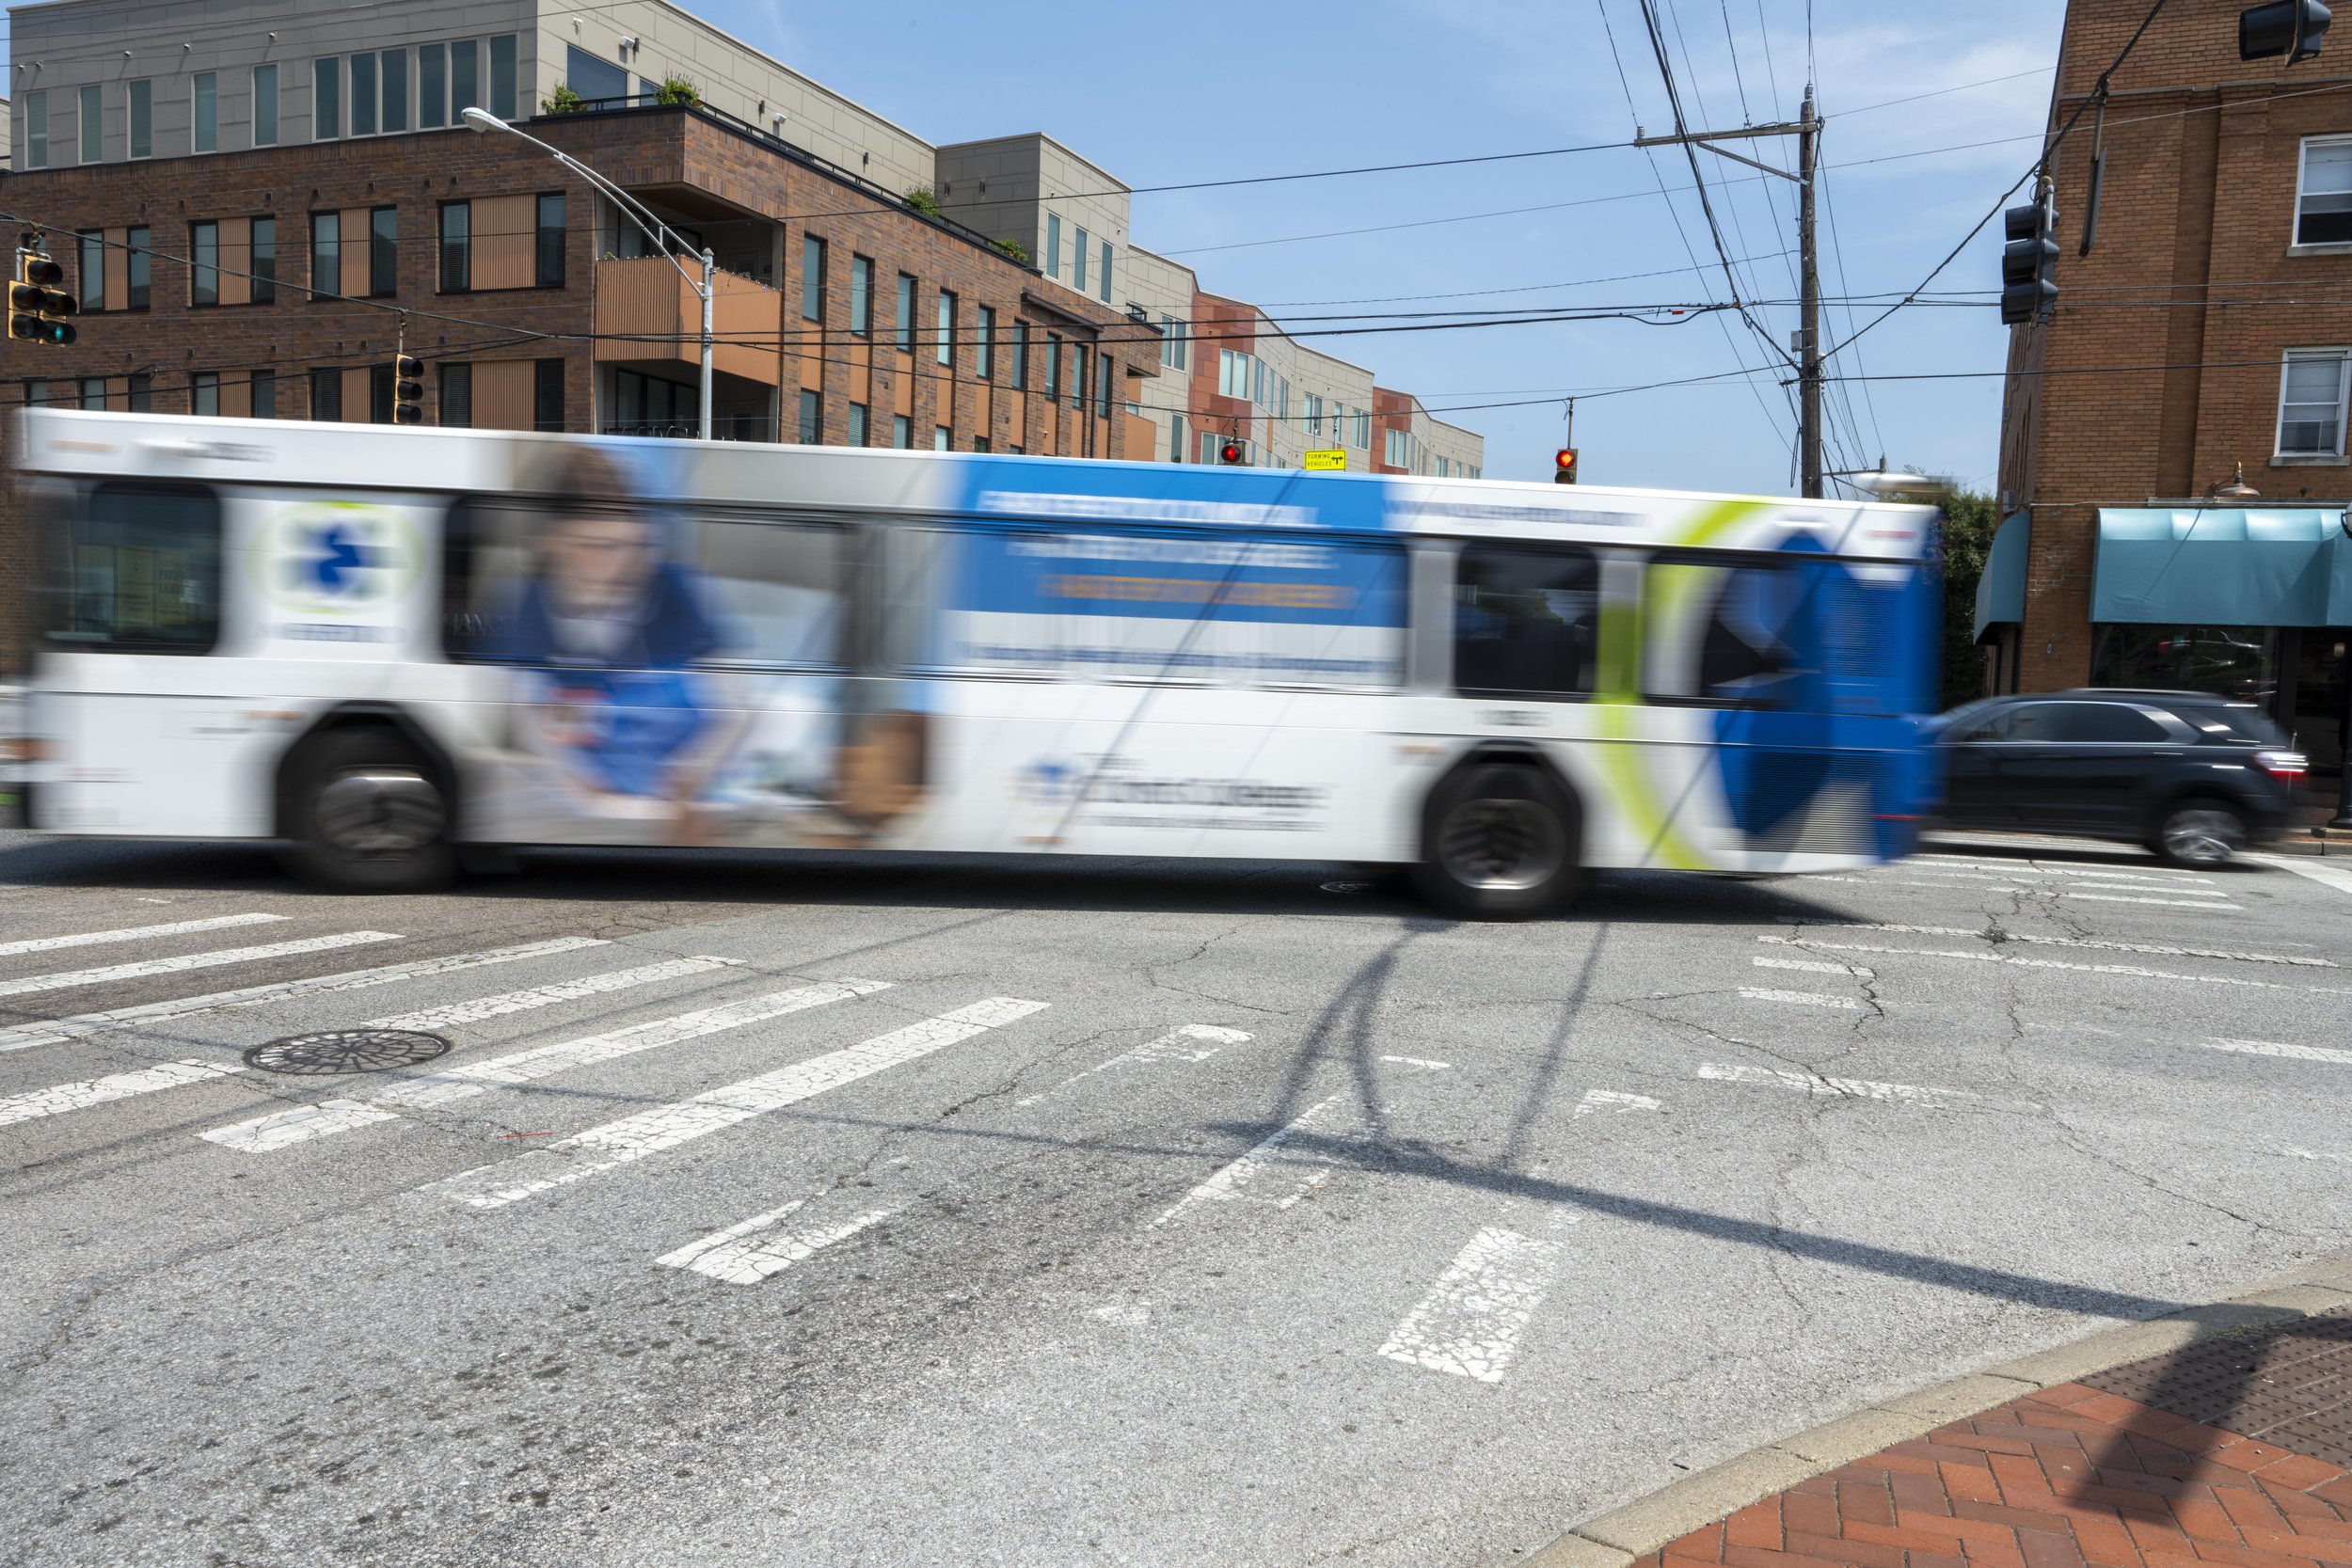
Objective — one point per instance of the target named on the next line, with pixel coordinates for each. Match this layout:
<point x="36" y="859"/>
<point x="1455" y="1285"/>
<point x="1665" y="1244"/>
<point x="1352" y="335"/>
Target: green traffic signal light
<point x="59" y="333"/>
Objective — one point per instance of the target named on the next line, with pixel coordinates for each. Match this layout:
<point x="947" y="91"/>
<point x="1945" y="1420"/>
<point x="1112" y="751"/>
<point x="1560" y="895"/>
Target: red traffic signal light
<point x="1229" y="453"/>
<point x="1564" y="465"/>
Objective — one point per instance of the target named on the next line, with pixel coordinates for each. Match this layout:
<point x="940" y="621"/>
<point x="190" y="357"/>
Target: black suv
<point x="2194" y="777"/>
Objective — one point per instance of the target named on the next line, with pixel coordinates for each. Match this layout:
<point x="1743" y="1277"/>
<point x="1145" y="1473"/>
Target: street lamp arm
<point x="634" y="210"/>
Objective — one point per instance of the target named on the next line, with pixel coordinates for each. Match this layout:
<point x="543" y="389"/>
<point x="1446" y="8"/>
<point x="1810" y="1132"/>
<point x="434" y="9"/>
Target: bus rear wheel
<point x="1499" y="842"/>
<point x="369" y="815"/>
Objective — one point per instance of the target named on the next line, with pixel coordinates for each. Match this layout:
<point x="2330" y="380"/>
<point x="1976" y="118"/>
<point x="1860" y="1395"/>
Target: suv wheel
<point x="369" y="816"/>
<point x="2201" y="832"/>
<point x="1499" y="843"/>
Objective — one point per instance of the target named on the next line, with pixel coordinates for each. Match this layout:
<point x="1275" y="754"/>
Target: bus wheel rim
<point x="1501" y="845"/>
<point x="380" y="811"/>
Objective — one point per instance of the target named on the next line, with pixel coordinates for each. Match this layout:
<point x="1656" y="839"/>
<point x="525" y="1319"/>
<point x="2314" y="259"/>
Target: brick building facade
<point x="2205" y="329"/>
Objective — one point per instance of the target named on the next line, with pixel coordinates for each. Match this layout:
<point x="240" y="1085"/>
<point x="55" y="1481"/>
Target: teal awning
<point x="2222" y="566"/>
<point x="2001" y="589"/>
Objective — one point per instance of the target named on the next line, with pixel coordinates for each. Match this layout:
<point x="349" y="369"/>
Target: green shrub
<point x="1015" y="250"/>
<point x="923" y="201"/>
<point x="679" y="90"/>
<point x="562" y="100"/>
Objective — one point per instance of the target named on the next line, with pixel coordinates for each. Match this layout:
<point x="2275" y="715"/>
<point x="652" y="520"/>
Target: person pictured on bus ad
<point x="608" y="632"/>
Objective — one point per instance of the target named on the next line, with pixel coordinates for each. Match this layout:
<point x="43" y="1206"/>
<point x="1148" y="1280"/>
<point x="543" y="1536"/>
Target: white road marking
<point x="431" y="1018"/>
<point x="1896" y="882"/>
<point x="2271" y="1048"/>
<point x="22" y="1036"/>
<point x="1815" y="1084"/>
<point x="2036" y="868"/>
<point x="136" y="933"/>
<point x="1470" y="1323"/>
<point x="665" y="1127"/>
<point x="1126" y="1314"/>
<point x="300" y="1125"/>
<point x="1800" y="998"/>
<point x="2326" y="873"/>
<point x="2156" y="948"/>
<point x="1613" y="1099"/>
<point x="98" y="1091"/>
<point x="1228" y="1186"/>
<point x="1419" y="1061"/>
<point x="2175" y="902"/>
<point x="2295" y="1153"/>
<point x="1855" y="971"/>
<point x="65" y="979"/>
<point x="1191" y="1042"/>
<point x="738" y="1256"/>
<point x="2134" y="970"/>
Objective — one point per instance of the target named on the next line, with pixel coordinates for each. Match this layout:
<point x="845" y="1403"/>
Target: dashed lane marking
<point x="740" y="1256"/>
<point x="1800" y="998"/>
<point x="22" y="1036"/>
<point x="1190" y="1042"/>
<point x="136" y="933"/>
<point x="2272" y="1048"/>
<point x="2093" y="943"/>
<point x="98" y="1091"/>
<point x="1470" y="1323"/>
<point x="1616" y="1101"/>
<point x="1827" y="1088"/>
<point x="66" y="979"/>
<point x="665" y="1127"/>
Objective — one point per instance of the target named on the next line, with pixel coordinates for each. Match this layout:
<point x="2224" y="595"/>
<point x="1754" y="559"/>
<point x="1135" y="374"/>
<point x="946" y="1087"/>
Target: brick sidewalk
<point x="2080" y="1474"/>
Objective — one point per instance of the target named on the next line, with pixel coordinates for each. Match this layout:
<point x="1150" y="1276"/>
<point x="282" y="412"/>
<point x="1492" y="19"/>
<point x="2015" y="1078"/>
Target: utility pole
<point x="1808" y="304"/>
<point x="1808" y="360"/>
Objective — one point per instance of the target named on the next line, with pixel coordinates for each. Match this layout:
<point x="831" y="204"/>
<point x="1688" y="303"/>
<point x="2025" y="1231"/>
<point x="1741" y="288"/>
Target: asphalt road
<point x="819" y="1211"/>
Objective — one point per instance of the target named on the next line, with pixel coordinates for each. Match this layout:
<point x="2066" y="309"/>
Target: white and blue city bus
<point x="378" y="646"/>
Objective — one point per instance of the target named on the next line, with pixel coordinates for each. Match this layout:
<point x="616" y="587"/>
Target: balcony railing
<point x="723" y="427"/>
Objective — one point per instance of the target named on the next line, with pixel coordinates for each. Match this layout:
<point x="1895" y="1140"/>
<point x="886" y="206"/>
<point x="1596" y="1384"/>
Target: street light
<point x="655" y="229"/>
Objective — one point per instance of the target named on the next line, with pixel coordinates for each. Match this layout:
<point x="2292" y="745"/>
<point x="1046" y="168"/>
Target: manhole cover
<point x="335" y="1050"/>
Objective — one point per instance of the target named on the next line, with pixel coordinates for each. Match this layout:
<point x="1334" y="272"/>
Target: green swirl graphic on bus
<point x="339" y="558"/>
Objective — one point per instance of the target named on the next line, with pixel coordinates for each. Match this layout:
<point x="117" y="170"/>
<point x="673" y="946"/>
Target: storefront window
<point x="2240" y="662"/>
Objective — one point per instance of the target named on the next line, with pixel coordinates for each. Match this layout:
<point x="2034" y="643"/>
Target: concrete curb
<point x="1615" y="1539"/>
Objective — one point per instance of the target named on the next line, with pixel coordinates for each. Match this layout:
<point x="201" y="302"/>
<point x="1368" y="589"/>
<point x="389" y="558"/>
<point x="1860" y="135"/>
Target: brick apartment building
<point x="2209" y="326"/>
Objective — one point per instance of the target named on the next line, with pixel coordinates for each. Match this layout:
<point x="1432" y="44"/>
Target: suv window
<point x="2109" y="724"/>
<point x="1986" y="729"/>
<point x="2232" y="725"/>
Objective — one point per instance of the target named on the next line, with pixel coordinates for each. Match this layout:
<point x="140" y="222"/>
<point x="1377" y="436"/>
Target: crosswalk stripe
<point x="2148" y="873"/>
<point x="98" y="1091"/>
<point x="281" y="1128"/>
<point x="2272" y="1048"/>
<point x="1190" y="1042"/>
<point x="2095" y="943"/>
<point x="1470" y="1323"/>
<point x="2174" y="903"/>
<point x="430" y="1019"/>
<point x="136" y="933"/>
<point x="1800" y="998"/>
<point x="665" y="1127"/>
<point x="2135" y="971"/>
<point x="65" y="979"/>
<point x="1616" y="1101"/>
<point x="1229" y="1184"/>
<point x="22" y="1036"/>
<point x="741" y="1257"/>
<point x="1815" y="1084"/>
<point x="1854" y="971"/>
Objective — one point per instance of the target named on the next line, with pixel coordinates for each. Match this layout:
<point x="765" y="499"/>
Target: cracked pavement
<point x="1960" y="1110"/>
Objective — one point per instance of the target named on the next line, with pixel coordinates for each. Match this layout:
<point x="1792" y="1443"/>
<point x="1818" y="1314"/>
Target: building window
<point x="594" y="77"/>
<point x="91" y="123"/>
<point x="1052" y="245"/>
<point x="326" y="395"/>
<point x="2323" y="199"/>
<point x="857" y="424"/>
<point x="143" y="120"/>
<point x="456" y="246"/>
<point x="327" y="101"/>
<point x="547" y="382"/>
<point x="265" y="105"/>
<point x="363" y="95"/>
<point x="37" y="130"/>
<point x="901" y="432"/>
<point x="204" y="394"/>
<point x="502" y="76"/>
<point x="327" y="264"/>
<point x="384" y="253"/>
<point x="906" y="314"/>
<point x="90" y="276"/>
<point x="1078" y="259"/>
<point x="207" y="130"/>
<point x="861" y="298"/>
<point x="984" y="342"/>
<point x="204" y="263"/>
<point x="1079" y="362"/>
<point x="1020" y="357"/>
<point x="94" y="393"/>
<point x="395" y="102"/>
<point x="943" y="439"/>
<point x="140" y="394"/>
<point x="465" y="79"/>
<point x="548" y="263"/>
<point x="980" y="444"/>
<point x="1104" y="283"/>
<point x="138" y="267"/>
<point x="456" y="400"/>
<point x="2312" y="400"/>
<point x="1105" y="383"/>
<point x="1176" y="439"/>
<point x="1172" y="344"/>
<point x="263" y="282"/>
<point x="812" y="417"/>
<point x="1052" y="366"/>
<point x="945" y="351"/>
<point x="264" y="389"/>
<point x="432" y="86"/>
<point x="812" y="278"/>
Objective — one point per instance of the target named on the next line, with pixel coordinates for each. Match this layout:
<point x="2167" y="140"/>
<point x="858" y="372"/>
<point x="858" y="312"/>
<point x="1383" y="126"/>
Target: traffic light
<point x="1229" y="451"/>
<point x="38" y="302"/>
<point x="2029" y="263"/>
<point x="2292" y="27"/>
<point x="1564" y="465"/>
<point x="407" y="390"/>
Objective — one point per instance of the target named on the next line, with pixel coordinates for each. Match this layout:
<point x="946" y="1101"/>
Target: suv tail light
<point x="2285" y="766"/>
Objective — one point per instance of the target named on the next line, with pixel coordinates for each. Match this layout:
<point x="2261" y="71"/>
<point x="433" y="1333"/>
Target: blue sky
<point x="1253" y="90"/>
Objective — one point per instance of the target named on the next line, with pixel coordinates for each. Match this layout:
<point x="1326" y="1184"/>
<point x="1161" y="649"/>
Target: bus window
<point x="1719" y="634"/>
<point x="1525" y="622"/>
<point x="776" y="591"/>
<point x="141" y="571"/>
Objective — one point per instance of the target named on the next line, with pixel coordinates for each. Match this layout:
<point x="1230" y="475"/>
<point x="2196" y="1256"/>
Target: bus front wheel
<point x="1499" y="842"/>
<point x="369" y="816"/>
